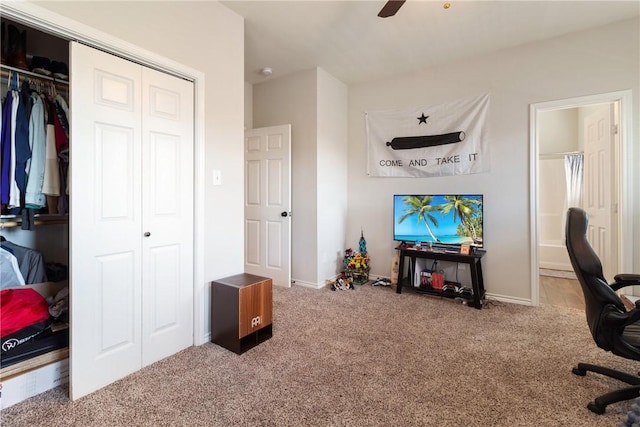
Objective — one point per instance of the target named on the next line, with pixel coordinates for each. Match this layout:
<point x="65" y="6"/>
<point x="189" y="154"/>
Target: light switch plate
<point x="217" y="177"/>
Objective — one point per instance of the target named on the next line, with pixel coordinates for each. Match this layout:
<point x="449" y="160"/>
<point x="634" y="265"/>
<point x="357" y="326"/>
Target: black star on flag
<point x="423" y="119"/>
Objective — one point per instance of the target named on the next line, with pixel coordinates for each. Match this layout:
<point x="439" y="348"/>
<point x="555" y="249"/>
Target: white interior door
<point x="598" y="185"/>
<point x="167" y="215"/>
<point x="268" y="203"/>
<point x="117" y="164"/>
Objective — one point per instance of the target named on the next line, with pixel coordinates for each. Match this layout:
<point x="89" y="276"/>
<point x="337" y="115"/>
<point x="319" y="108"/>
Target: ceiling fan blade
<point x="390" y="8"/>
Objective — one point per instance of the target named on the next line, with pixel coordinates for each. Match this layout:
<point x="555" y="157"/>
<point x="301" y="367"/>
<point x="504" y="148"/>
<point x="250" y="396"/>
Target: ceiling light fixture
<point x="266" y="71"/>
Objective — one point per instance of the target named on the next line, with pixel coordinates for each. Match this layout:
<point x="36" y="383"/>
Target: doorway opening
<point x="568" y="169"/>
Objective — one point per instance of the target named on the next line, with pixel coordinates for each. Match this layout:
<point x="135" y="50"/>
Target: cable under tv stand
<point x="478" y="298"/>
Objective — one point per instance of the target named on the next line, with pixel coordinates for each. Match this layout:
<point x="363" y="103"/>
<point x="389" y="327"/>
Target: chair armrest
<point x="627" y="277"/>
<point x="617" y="319"/>
<point x="623" y="280"/>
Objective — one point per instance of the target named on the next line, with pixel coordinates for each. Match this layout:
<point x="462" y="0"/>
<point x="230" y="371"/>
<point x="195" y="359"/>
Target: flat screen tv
<point x="441" y="219"/>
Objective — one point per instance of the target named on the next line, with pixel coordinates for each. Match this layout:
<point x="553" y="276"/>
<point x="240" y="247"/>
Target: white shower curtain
<point x="573" y="164"/>
<point x="573" y="172"/>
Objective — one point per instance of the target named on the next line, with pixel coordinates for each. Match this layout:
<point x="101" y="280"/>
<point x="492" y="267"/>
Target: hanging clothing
<point x="63" y="200"/>
<point x="5" y="150"/>
<point x="64" y="114"/>
<point x="34" y="153"/>
<point x="62" y="145"/>
<point x="62" y="141"/>
<point x="63" y="111"/>
<point x="23" y="151"/>
<point x="34" y="198"/>
<point x="14" y="191"/>
<point x="51" y="183"/>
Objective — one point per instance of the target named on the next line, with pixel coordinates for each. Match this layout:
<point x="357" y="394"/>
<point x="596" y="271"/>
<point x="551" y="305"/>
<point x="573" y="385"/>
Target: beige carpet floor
<point x="363" y="357"/>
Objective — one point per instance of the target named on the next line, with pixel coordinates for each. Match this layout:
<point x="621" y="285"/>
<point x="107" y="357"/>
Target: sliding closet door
<point x="131" y="217"/>
<point x="167" y="210"/>
<point x="106" y="212"/>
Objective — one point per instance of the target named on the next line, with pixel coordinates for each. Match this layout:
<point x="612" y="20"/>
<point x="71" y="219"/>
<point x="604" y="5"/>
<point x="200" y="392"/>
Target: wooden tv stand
<point x="473" y="259"/>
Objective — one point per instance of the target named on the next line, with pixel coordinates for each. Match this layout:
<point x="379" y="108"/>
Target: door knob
<point x="147" y="234"/>
<point x="284" y="214"/>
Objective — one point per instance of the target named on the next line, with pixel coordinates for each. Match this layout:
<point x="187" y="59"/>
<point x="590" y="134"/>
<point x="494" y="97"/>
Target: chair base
<point x="599" y="405"/>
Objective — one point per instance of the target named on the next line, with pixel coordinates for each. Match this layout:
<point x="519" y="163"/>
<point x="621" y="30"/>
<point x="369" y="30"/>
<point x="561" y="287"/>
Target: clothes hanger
<point x="12" y="82"/>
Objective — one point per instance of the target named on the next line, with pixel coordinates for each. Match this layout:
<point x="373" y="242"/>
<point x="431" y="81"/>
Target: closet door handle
<point x="147" y="234"/>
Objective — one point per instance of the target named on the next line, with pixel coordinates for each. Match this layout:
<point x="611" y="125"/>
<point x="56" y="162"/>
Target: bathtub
<point x="553" y="256"/>
<point x="552" y="253"/>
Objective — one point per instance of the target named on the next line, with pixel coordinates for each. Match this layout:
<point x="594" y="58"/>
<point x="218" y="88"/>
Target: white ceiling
<point x="348" y="40"/>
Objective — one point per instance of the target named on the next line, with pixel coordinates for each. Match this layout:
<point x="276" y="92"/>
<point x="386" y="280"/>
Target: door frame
<point x="624" y="177"/>
<point x="63" y="27"/>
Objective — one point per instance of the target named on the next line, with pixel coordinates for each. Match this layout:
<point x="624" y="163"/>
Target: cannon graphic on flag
<point x="411" y="142"/>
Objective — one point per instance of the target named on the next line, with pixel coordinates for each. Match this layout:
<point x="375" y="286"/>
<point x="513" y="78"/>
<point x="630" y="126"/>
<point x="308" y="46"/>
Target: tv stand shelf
<point x="473" y="259"/>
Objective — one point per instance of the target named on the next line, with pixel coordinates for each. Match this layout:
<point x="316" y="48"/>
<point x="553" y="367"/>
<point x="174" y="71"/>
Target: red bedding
<point x="20" y="308"/>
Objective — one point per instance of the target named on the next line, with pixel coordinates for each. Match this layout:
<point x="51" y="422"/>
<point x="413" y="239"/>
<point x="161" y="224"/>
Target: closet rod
<point x="6" y="71"/>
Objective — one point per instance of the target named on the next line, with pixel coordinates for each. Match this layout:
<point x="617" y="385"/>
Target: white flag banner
<point x="436" y="140"/>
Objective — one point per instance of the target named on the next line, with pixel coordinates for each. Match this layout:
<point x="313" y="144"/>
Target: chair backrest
<point x="599" y="298"/>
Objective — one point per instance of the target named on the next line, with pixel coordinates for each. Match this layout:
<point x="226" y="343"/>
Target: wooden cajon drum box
<point x="241" y="311"/>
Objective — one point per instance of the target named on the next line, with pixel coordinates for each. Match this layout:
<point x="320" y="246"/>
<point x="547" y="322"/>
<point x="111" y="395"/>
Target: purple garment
<point x="5" y="149"/>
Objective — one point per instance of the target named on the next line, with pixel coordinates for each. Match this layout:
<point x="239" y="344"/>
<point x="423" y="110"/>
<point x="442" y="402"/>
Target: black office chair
<point x="612" y="326"/>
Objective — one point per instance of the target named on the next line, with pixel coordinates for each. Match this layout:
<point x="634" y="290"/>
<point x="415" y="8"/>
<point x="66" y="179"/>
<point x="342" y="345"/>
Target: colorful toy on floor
<point x="381" y="282"/>
<point x="342" y="283"/>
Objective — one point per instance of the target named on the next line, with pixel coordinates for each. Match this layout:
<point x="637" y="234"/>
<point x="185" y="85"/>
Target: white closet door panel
<point x="164" y="294"/>
<point x="105" y="206"/>
<point x="114" y="172"/>
<point x="167" y="215"/>
<point x="116" y="288"/>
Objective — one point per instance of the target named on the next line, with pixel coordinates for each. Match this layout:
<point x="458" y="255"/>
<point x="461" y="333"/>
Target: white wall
<point x="332" y="175"/>
<point x="208" y="37"/>
<point x="558" y="131"/>
<point x="315" y="104"/>
<point x="248" y="106"/>
<point x="602" y="60"/>
<point x="292" y="100"/>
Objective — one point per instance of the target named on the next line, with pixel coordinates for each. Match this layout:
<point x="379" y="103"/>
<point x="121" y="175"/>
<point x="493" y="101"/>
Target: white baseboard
<point x="510" y="300"/>
<point x="310" y="285"/>
<point x="489" y="296"/>
<point x="205" y="339"/>
<point x="556" y="266"/>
